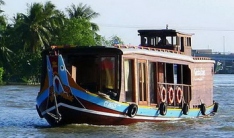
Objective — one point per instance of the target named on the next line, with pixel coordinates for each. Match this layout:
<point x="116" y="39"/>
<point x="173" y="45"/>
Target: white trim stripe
<point x="108" y="114"/>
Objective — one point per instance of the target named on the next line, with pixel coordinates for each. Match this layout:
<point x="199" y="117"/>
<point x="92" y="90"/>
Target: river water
<point x="19" y="118"/>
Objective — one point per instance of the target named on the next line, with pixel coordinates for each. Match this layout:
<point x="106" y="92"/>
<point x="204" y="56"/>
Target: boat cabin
<point x="166" y="39"/>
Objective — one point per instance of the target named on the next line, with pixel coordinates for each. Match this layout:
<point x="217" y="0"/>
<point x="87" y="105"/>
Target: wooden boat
<point x="119" y="85"/>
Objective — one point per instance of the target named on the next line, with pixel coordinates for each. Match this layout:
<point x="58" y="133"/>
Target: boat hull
<point x="81" y="111"/>
<point x="83" y="116"/>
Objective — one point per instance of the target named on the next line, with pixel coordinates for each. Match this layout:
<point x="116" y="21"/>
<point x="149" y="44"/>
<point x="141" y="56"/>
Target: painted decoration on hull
<point x="58" y="79"/>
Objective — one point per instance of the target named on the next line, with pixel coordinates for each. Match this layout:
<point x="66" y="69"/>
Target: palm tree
<point x="2" y="3"/>
<point x="5" y="52"/>
<point x="2" y="21"/>
<point x="36" y="26"/>
<point x="84" y="12"/>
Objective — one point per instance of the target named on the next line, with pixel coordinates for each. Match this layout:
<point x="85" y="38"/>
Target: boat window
<point x="184" y="77"/>
<point x="84" y="71"/>
<point x="145" y="42"/>
<point x="175" y="74"/>
<point x="169" y="73"/>
<point x="142" y="82"/>
<point x="188" y="41"/>
<point x="152" y="76"/>
<point x="95" y="73"/>
<point x="128" y="77"/>
<point x="152" y="41"/>
<point x="182" y="44"/>
<point x="107" y="74"/>
<point x="168" y="40"/>
<point x="174" y="40"/>
<point x="163" y="40"/>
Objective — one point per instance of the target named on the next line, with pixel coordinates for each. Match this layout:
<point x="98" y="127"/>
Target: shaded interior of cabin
<point x="96" y="73"/>
<point x="166" y="39"/>
<point x="143" y="81"/>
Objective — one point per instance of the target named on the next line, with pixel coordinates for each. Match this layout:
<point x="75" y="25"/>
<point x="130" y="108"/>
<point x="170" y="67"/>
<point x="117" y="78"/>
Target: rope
<point x="58" y="116"/>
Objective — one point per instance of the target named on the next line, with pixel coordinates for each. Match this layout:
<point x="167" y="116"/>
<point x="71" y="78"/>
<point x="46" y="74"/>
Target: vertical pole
<point x="224" y="45"/>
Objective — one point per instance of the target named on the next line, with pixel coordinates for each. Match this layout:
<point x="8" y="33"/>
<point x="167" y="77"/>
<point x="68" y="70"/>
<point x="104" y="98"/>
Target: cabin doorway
<point x="128" y="77"/>
<point x="142" y="82"/>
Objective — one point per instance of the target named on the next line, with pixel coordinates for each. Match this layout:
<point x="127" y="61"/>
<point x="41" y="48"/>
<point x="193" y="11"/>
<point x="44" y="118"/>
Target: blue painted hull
<point x="94" y="109"/>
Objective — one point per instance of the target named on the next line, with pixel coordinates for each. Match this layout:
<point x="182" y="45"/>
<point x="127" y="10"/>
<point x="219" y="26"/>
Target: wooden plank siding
<point x="189" y="80"/>
<point x="202" y="82"/>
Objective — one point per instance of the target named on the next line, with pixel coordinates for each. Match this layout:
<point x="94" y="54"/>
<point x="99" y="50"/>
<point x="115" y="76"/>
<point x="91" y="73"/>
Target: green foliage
<point x="111" y="41"/>
<point x="75" y="32"/>
<point x="26" y="66"/>
<point x="5" y="52"/>
<point x="1" y="74"/>
<point x="40" y="27"/>
<point x="5" y="55"/>
<point x="83" y="11"/>
<point x="116" y="38"/>
<point x="35" y="27"/>
<point x="1" y="3"/>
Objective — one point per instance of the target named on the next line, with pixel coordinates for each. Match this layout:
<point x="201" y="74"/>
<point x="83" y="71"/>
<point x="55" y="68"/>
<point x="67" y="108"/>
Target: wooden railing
<point x="160" y="50"/>
<point x="186" y="93"/>
<point x="201" y="58"/>
<point x="149" y="48"/>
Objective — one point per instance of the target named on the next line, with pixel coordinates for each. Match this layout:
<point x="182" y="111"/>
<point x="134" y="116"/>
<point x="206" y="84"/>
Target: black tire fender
<point x="216" y="106"/>
<point x="163" y="108"/>
<point x="203" y="109"/>
<point x="132" y="110"/>
<point x="185" y="109"/>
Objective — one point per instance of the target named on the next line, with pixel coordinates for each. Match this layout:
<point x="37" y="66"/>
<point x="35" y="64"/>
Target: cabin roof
<point x="84" y="50"/>
<point x="127" y="50"/>
<point x="166" y="54"/>
<point x="161" y="32"/>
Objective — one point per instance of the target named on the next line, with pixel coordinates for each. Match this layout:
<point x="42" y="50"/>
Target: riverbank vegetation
<point x="42" y="26"/>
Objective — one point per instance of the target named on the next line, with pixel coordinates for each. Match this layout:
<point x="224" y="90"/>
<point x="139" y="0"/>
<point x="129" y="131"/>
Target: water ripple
<point x="19" y="118"/>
